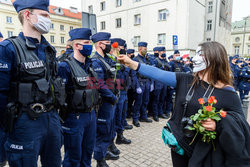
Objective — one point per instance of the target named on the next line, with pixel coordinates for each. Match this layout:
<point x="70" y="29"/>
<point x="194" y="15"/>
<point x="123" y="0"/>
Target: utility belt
<point x="89" y="110"/>
<point x="143" y="80"/>
<point x="36" y="109"/>
<point x="107" y="100"/>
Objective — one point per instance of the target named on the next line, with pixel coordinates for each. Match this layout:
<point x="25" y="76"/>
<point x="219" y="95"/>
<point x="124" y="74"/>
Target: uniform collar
<point x="33" y="40"/>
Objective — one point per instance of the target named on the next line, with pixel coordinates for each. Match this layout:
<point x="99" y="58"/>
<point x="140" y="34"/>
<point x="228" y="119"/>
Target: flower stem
<point x="194" y="138"/>
<point x="213" y="145"/>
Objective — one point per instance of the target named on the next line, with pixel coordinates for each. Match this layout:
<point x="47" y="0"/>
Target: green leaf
<point x="191" y="128"/>
<point x="216" y="118"/>
<point x="200" y="111"/>
<point x="195" y="126"/>
<point x="196" y="116"/>
<point x="213" y="137"/>
<point x="202" y="129"/>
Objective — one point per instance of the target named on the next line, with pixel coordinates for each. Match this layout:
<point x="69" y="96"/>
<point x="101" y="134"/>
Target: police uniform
<point x="244" y="84"/>
<point x="142" y="92"/>
<point x="29" y="73"/>
<point x="69" y="51"/>
<point x="80" y="121"/>
<point x="105" y="70"/>
<point x="236" y="71"/>
<point x="160" y="90"/>
<point x="120" y="112"/>
<point x="2" y="133"/>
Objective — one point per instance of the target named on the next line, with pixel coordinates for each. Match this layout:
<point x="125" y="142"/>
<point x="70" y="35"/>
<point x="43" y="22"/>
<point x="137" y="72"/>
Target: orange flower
<point x="209" y="108"/>
<point x="115" y="45"/>
<point x="211" y="99"/>
<point x="201" y="101"/>
<point x="223" y="114"/>
<point x="215" y="101"/>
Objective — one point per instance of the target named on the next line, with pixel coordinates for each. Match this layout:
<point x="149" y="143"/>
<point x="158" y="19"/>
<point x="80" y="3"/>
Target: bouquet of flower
<point x="203" y="114"/>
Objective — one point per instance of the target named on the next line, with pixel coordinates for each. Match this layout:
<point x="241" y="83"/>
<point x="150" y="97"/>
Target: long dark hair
<point x="218" y="68"/>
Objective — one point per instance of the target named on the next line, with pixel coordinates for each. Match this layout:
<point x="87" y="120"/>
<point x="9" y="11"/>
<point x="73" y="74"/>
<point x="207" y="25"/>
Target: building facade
<point x="240" y="38"/>
<point x="155" y="22"/>
<point x="63" y="20"/>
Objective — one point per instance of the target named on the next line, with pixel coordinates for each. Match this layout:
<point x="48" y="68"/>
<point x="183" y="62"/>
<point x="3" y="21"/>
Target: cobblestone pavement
<point x="146" y="149"/>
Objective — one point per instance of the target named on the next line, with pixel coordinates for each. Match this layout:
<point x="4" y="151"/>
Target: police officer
<point x="120" y="113"/>
<point x="143" y="86"/>
<point x="235" y="70"/>
<point x="244" y="78"/>
<point x="80" y="124"/>
<point x="102" y="65"/>
<point x="67" y="53"/>
<point x="130" y="54"/>
<point x="160" y="90"/>
<point x="27" y="76"/>
<point x="2" y="133"/>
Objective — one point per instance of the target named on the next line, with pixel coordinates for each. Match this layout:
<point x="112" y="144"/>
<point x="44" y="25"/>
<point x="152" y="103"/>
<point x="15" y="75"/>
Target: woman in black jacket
<point x="212" y="75"/>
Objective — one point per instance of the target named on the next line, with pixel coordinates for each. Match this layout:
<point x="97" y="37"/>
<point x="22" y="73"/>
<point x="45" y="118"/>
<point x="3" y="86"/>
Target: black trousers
<point x="179" y="160"/>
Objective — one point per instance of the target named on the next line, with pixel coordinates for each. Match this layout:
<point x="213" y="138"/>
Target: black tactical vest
<point x="36" y="88"/>
<point x="178" y="67"/>
<point x="140" y="60"/>
<point x="163" y="65"/>
<point x="110" y="71"/>
<point x="84" y="96"/>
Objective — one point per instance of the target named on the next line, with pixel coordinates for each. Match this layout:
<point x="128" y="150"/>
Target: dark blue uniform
<point x="79" y="127"/>
<point x="244" y="85"/>
<point x="29" y="138"/>
<point x="106" y="113"/>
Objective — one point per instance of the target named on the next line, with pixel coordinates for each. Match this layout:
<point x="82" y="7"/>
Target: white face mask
<point x="43" y="25"/>
<point x="199" y="60"/>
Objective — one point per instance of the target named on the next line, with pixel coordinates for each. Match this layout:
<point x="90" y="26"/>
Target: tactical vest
<point x="110" y="71"/>
<point x="140" y="60"/>
<point x="36" y="88"/>
<point x="163" y="65"/>
<point x="177" y="67"/>
<point x="84" y="96"/>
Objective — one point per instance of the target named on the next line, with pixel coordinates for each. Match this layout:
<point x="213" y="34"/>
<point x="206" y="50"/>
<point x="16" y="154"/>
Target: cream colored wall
<point x="15" y="26"/>
<point x="240" y="43"/>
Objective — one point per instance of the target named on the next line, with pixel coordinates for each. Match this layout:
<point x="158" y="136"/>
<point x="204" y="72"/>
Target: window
<point x="52" y="39"/>
<point x="52" y="26"/>
<point x="137" y="19"/>
<point x="62" y="40"/>
<point x="163" y="14"/>
<point x="137" y="39"/>
<point x="248" y="52"/>
<point x="8" y="19"/>
<point x="62" y="27"/>
<point x="210" y="7"/>
<point x="103" y="25"/>
<point x="91" y="9"/>
<point x="137" y="0"/>
<point x="236" y="50"/>
<point x="118" y="3"/>
<point x="71" y="28"/>
<point x="118" y="23"/>
<point x="103" y="6"/>
<point x="161" y="38"/>
<point x="237" y="39"/>
<point x="10" y="34"/>
<point x="208" y="39"/>
<point x="209" y="25"/>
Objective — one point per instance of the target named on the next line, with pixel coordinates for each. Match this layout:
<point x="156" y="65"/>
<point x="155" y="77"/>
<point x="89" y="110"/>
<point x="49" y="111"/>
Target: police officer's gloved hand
<point x="138" y="90"/>
<point x="151" y="87"/>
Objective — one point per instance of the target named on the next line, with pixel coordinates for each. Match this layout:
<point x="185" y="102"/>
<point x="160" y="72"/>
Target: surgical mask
<point x="86" y="50"/>
<point x="43" y="25"/>
<point x="163" y="55"/>
<point x="156" y="54"/>
<point x="144" y="52"/>
<point x="199" y="61"/>
<point x="107" y="49"/>
<point x="178" y="58"/>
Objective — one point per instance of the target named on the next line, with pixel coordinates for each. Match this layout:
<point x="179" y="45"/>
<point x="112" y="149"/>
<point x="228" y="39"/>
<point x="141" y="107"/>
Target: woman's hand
<point x="209" y="124"/>
<point x="124" y="59"/>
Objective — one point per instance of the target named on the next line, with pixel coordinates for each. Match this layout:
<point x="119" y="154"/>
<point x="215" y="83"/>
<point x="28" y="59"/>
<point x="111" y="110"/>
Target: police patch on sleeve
<point x="4" y="66"/>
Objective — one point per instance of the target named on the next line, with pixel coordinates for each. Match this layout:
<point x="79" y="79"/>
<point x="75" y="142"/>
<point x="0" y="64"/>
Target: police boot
<point x="163" y="116"/>
<point x="128" y="127"/>
<point x="102" y="163"/>
<point x="122" y="140"/>
<point x="2" y="164"/>
<point x="112" y="148"/>
<point x="156" y="119"/>
<point x="111" y="156"/>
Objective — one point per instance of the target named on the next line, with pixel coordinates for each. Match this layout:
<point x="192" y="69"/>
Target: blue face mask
<point x="163" y="55"/>
<point x="86" y="50"/>
<point x="178" y="58"/>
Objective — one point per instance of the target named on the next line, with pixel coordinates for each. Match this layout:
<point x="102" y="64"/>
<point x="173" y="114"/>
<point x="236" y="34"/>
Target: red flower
<point x="115" y="45"/>
<point x="209" y="108"/>
<point x="223" y="114"/>
<point x="201" y="101"/>
<point x="211" y="99"/>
